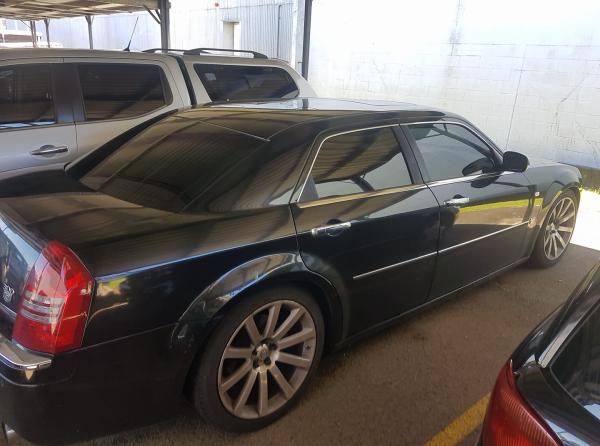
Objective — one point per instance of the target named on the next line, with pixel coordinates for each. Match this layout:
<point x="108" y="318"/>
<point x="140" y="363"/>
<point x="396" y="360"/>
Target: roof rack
<point x="156" y="50"/>
<point x="198" y="51"/>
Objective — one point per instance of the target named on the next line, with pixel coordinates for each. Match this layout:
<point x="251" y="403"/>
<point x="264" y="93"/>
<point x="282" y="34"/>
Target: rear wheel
<point x="259" y="359"/>
<point x="556" y="232"/>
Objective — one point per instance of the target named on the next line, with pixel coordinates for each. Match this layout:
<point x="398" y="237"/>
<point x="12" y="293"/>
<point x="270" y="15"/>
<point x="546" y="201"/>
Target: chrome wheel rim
<point x="559" y="228"/>
<point x="267" y="359"/>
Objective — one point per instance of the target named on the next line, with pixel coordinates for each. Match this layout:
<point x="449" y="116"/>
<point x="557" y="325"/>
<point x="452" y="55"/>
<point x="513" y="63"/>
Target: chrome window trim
<point x="468" y="242"/>
<point x="312" y="164"/>
<point x="18" y="358"/>
<point x="360" y="195"/>
<point x="385" y="268"/>
<point x="475" y="177"/>
<point x="441" y="251"/>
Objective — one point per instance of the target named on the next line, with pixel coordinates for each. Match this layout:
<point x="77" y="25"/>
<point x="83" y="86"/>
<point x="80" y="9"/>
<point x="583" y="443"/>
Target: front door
<point x="484" y="212"/>
<point x="367" y="223"/>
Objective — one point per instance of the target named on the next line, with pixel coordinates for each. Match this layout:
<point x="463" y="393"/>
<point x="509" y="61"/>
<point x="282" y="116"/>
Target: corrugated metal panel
<point x="264" y="26"/>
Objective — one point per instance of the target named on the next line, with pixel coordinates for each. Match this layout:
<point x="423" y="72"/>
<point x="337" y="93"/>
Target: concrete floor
<point x="407" y="383"/>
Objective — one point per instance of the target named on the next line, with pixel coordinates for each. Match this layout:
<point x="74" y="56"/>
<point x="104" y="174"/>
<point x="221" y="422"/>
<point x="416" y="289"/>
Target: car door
<point x="36" y="121"/>
<point x="484" y="212"/>
<point x="117" y="95"/>
<point x="367" y="223"/>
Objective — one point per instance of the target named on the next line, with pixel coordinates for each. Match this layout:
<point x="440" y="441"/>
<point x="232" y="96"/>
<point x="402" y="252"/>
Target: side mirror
<point x="514" y="162"/>
<point x="482" y="165"/>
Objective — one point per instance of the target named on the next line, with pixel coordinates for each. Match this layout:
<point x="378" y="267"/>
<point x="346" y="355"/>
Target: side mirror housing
<point x="514" y="162"/>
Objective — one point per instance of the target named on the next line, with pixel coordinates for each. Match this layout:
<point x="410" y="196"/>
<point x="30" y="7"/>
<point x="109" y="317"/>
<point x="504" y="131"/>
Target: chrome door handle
<point x="49" y="149"/>
<point x="457" y="201"/>
<point x="331" y="230"/>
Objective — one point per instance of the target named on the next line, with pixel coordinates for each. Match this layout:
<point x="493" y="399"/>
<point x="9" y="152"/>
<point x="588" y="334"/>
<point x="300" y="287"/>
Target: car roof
<point x="266" y="118"/>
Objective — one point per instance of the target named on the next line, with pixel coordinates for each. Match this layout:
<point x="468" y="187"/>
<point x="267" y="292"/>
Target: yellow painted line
<point x="461" y="426"/>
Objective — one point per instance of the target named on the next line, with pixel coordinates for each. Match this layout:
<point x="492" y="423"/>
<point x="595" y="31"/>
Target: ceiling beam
<point x="54" y="9"/>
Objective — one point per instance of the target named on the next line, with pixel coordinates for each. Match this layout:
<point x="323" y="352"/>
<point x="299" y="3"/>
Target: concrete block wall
<point x="526" y="73"/>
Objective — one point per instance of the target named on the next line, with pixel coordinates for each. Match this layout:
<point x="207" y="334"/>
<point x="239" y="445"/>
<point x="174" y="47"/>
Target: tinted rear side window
<point x="235" y="82"/>
<point x="356" y="162"/>
<point x="26" y="96"/>
<point x="577" y="367"/>
<point x="117" y="91"/>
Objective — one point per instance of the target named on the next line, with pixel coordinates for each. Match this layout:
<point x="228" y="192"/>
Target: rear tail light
<point x="56" y="299"/>
<point x="510" y="421"/>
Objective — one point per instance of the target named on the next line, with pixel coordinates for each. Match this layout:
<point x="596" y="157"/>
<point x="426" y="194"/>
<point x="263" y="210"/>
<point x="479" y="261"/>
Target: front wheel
<point x="556" y="232"/>
<point x="259" y="359"/>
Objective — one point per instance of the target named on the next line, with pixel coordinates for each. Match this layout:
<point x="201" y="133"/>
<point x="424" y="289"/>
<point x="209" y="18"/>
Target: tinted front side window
<point x="448" y="150"/>
<point x="26" y="96"/>
<point x="113" y="91"/>
<point x="362" y="161"/>
<point x="231" y="82"/>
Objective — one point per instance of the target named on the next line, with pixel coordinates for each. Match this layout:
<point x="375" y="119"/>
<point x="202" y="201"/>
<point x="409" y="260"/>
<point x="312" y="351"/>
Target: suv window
<point x="451" y="151"/>
<point x="26" y="96"/>
<point x="231" y="82"/>
<point x="117" y="91"/>
<point x="355" y="162"/>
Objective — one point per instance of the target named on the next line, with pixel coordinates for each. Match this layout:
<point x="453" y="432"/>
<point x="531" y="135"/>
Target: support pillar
<point x="89" y="19"/>
<point x="47" y="23"/>
<point x="165" y="23"/>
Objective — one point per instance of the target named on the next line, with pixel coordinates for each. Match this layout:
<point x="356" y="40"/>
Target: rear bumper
<point x="93" y="391"/>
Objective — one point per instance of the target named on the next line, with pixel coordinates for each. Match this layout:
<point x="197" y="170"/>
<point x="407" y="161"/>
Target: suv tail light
<point x="56" y="299"/>
<point x="509" y="420"/>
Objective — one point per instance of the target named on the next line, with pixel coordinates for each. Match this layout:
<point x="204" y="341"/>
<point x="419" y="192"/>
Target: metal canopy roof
<point x="55" y="9"/>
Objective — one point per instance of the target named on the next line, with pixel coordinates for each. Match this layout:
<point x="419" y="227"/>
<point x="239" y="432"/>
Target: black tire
<point x="539" y="257"/>
<point x="206" y="395"/>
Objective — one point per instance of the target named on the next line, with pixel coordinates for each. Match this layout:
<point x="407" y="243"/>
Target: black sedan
<point x="215" y="253"/>
<point x="548" y="393"/>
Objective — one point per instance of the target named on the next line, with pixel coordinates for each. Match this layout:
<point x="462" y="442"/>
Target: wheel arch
<point x="284" y="269"/>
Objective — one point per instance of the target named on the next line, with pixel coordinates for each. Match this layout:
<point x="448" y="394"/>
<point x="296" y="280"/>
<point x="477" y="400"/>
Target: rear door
<point x="366" y="222"/>
<point x="36" y="122"/>
<point x="116" y="95"/>
<point x="484" y="212"/>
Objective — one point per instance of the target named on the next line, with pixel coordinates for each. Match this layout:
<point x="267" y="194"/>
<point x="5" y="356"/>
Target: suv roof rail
<point x="156" y="50"/>
<point x="196" y="51"/>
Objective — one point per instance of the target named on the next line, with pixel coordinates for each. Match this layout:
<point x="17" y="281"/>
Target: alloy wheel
<point x="559" y="228"/>
<point x="267" y="359"/>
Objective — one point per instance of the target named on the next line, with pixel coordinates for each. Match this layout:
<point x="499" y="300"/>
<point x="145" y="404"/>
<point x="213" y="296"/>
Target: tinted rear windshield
<point x="238" y="82"/>
<point x="183" y="165"/>
<point x="577" y="367"/>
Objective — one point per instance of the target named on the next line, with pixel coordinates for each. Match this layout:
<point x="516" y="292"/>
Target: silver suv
<point x="57" y="104"/>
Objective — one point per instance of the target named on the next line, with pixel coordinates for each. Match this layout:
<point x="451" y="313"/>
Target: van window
<point x="26" y="96"/>
<point x="119" y="91"/>
<point x="235" y="82"/>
